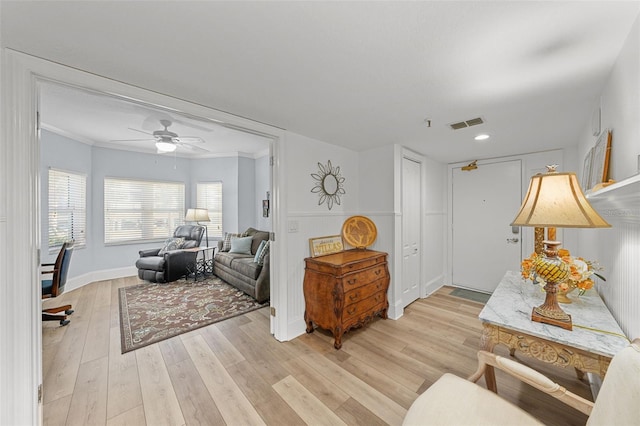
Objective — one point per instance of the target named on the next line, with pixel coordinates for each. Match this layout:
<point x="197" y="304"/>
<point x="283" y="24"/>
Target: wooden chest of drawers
<point x="345" y="290"/>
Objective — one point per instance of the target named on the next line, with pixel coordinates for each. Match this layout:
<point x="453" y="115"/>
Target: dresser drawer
<point x="365" y="291"/>
<point x="363" y="307"/>
<point x="360" y="278"/>
<point x="359" y="266"/>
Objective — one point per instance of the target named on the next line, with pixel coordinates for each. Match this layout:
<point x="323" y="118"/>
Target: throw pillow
<point x="226" y="242"/>
<point x="256" y="258"/>
<point x="171" y="244"/>
<point x="241" y="245"/>
<point x="263" y="253"/>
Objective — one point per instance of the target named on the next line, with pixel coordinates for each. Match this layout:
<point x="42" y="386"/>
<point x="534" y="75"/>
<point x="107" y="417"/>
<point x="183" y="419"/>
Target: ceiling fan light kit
<point x="164" y="146"/>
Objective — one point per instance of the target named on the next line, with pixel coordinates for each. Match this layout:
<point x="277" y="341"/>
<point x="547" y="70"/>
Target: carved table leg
<point x="308" y="322"/>
<point x="579" y="373"/>
<point x="487" y="341"/>
<point x="337" y="335"/>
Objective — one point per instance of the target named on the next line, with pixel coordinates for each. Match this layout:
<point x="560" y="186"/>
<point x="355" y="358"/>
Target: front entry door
<point x="484" y="245"/>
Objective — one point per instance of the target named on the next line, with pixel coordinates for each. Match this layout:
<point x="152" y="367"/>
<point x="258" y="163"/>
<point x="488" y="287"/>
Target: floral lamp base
<point x="554" y="271"/>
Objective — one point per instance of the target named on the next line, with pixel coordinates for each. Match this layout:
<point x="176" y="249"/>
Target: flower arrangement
<point x="581" y="272"/>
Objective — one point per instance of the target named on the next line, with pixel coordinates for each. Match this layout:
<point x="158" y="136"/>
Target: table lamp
<point x="197" y="216"/>
<point x="555" y="200"/>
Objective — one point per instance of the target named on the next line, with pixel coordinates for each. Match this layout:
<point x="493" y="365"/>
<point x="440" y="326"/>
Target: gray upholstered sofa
<point x="241" y="271"/>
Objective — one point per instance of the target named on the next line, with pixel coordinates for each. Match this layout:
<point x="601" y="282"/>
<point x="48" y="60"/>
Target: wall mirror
<point x="328" y="184"/>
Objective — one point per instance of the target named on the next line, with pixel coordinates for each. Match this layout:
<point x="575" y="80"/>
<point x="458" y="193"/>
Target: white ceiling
<point x="108" y="121"/>
<point x="357" y="74"/>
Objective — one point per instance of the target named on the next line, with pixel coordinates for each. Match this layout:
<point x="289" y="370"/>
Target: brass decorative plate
<point x="359" y="231"/>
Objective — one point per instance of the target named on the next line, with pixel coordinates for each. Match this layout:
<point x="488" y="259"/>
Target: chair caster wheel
<point x="69" y="311"/>
<point x="64" y="322"/>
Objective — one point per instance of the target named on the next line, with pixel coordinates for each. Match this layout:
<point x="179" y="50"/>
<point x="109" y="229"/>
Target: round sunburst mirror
<point x="328" y="184"/>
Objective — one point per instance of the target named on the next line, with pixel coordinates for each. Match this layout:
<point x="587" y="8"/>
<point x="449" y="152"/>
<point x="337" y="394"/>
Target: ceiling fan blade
<point x="190" y="139"/>
<point x="141" y="131"/>
<point x="132" y="140"/>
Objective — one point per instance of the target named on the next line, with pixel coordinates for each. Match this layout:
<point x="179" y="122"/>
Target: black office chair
<point x="55" y="286"/>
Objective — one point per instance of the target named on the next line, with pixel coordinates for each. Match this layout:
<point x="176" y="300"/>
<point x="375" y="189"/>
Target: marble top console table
<point x="506" y="318"/>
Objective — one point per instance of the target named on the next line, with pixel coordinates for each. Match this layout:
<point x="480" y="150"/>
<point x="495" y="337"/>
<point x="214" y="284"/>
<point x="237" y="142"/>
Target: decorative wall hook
<point x="471" y="166"/>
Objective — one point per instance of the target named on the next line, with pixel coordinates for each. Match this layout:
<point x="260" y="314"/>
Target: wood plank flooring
<point x="235" y="373"/>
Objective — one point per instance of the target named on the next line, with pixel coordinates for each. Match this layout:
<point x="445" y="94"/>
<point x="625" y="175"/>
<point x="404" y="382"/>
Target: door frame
<point x="20" y="305"/>
<point x="396" y="309"/>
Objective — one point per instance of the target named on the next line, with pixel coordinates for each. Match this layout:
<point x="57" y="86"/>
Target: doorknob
<point x="512" y="240"/>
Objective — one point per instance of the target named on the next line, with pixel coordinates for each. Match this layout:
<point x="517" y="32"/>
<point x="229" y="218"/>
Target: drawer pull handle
<point x="351" y="311"/>
<point x="351" y="282"/>
<point x="353" y="297"/>
<point x="378" y="271"/>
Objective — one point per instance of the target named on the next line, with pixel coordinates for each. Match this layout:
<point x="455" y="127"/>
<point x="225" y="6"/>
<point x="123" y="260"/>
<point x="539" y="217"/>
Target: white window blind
<point x="67" y="208"/>
<point x="138" y="210"/>
<point x="209" y="196"/>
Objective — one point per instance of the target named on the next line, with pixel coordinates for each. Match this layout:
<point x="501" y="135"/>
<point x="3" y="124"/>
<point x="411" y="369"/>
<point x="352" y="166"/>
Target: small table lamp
<point x="555" y="200"/>
<point x="197" y="216"/>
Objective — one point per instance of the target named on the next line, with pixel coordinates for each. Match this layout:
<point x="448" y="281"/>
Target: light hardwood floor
<point x="235" y="373"/>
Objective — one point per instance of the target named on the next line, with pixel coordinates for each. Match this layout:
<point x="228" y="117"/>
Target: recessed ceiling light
<point x="482" y="137"/>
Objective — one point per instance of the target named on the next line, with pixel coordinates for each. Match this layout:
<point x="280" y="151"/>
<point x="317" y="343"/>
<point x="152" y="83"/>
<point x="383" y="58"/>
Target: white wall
<point x="300" y="160"/>
<point x="434" y="225"/>
<point x="262" y="186"/>
<point x="246" y="194"/>
<point x="618" y="249"/>
<point x="223" y="170"/>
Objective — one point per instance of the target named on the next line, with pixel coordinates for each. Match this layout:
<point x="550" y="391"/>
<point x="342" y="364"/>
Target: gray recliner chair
<point x="171" y="265"/>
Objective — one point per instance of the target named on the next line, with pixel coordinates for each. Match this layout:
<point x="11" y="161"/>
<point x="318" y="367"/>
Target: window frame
<point x="79" y="237"/>
<point x="213" y="212"/>
<point x="146" y="214"/>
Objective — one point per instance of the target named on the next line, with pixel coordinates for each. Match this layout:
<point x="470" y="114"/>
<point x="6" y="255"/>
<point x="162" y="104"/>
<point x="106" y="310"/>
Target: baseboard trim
<point x="105" y="274"/>
<point x="433" y="285"/>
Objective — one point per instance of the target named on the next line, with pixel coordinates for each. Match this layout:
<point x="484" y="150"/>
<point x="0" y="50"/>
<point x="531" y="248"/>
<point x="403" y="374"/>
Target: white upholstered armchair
<point x="617" y="402"/>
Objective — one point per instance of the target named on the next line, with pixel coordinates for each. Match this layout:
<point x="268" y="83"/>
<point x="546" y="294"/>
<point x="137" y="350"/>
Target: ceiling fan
<point x="167" y="141"/>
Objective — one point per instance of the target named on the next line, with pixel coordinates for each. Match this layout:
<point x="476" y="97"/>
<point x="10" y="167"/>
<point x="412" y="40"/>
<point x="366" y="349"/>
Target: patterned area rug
<point x="152" y="312"/>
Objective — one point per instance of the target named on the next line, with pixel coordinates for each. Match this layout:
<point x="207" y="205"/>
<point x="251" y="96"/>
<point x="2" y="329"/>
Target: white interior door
<point x="411" y="230"/>
<point x="484" y="245"/>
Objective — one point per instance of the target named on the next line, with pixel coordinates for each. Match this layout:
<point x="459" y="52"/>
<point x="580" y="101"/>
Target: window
<point x="209" y="196"/>
<point x="67" y="208"/>
<point x="137" y="210"/>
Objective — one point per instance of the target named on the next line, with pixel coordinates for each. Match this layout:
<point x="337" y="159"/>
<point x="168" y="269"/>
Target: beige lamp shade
<point x="556" y="200"/>
<point x="197" y="215"/>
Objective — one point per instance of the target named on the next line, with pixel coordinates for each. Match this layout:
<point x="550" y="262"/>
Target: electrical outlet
<point x="293" y="226"/>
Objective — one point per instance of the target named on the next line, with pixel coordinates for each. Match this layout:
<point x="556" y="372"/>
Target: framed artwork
<point x="600" y="159"/>
<point x="325" y="245"/>
<point x="586" y="171"/>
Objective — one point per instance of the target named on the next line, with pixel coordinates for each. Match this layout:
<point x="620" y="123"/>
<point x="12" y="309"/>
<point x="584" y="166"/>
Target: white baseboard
<point x="396" y="311"/>
<point x="105" y="274"/>
<point x="433" y="285"/>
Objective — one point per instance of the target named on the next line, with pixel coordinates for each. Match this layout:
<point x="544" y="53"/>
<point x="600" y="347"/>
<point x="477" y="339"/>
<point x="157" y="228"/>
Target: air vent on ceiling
<point x="467" y="123"/>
